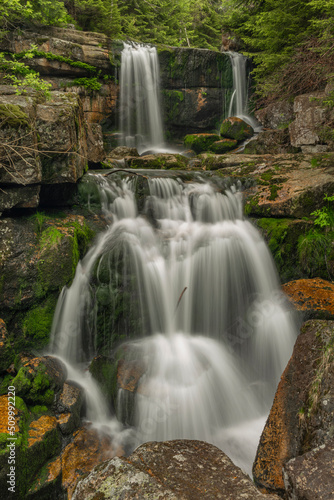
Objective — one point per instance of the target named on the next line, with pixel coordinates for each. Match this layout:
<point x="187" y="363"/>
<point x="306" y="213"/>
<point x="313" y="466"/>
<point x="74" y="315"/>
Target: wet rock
<point x="180" y="469"/>
<point x="95" y="149"/>
<point x="69" y="405"/>
<point x="311" y="117"/>
<point x="301" y="417"/>
<point x="19" y="197"/>
<point x="123" y="151"/>
<point x="236" y="128"/>
<point x="78" y="458"/>
<point x="158" y="161"/>
<point x="39" y="379"/>
<point x="313" y="297"/>
<point x="99" y="106"/>
<point x="200" y="142"/>
<point x="222" y="146"/>
<point x="276" y="115"/>
<point x="270" y="142"/>
<point x="291" y="185"/>
<point x="311" y="476"/>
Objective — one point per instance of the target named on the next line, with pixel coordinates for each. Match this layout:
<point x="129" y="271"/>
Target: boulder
<point x="19" y="197"/>
<point x="222" y="146"/>
<point x="313" y="297"/>
<point x="301" y="417"/>
<point x="200" y="142"/>
<point x="276" y="115"/>
<point x="158" y="161"/>
<point x="311" y="476"/>
<point x="123" y="151"/>
<point x="270" y="142"/>
<point x="69" y="406"/>
<point x="174" y="470"/>
<point x="311" y="119"/>
<point x="236" y="128"/>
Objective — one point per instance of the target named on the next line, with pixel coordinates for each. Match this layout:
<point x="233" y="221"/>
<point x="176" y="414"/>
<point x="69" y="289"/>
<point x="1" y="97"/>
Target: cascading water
<point x="215" y="330"/>
<point x="140" y="115"/>
<point x="239" y="99"/>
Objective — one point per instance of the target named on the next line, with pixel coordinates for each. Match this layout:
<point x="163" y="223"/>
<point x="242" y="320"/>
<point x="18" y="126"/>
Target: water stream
<point x="206" y="317"/>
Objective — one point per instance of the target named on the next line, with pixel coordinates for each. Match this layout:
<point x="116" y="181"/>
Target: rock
<point x="270" y="142"/>
<point x="301" y="417"/>
<point x="123" y="151"/>
<point x="38" y="256"/>
<point x="178" y="470"/>
<point x="311" y="117"/>
<point x="70" y="403"/>
<point x="59" y="123"/>
<point x="222" y="146"/>
<point x="276" y="115"/>
<point x="236" y="128"/>
<point x="6" y="353"/>
<point x="95" y="149"/>
<point x="158" y="161"/>
<point x="99" y="106"/>
<point x="104" y="370"/>
<point x="278" y="185"/>
<point x="311" y="476"/>
<point x="19" y="197"/>
<point x="313" y="297"/>
<point x="39" y="379"/>
<point x="78" y="458"/>
<point x="200" y="142"/>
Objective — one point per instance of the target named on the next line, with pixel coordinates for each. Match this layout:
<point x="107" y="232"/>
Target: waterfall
<point x="239" y="99"/>
<point x="214" y="332"/>
<point x="140" y="115"/>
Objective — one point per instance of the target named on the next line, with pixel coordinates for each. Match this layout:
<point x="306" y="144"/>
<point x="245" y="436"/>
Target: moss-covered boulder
<point x="223" y="146"/>
<point x="39" y="379"/>
<point x="200" y="142"/>
<point x="236" y="128"/>
<point x="6" y="350"/>
<point x="163" y="161"/>
<point x="38" y="256"/>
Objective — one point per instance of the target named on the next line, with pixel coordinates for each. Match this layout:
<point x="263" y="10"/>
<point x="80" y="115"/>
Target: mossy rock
<point x="200" y="142"/>
<point x="222" y="146"/>
<point x="13" y="116"/>
<point x="39" y="379"/>
<point x="236" y="128"/>
<point x="104" y="370"/>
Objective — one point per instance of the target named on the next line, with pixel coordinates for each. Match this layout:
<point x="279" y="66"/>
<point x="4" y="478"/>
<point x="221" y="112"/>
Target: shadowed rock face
<point x="301" y="417"/>
<point x="173" y="470"/>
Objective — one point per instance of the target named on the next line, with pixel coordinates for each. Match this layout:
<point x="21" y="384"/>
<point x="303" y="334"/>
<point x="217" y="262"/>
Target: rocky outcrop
<point x="175" y="470"/>
<point x="301" y="417"/>
<point x="308" y="130"/>
<point x="277" y="115"/>
<point x="270" y="142"/>
<point x="314" y="298"/>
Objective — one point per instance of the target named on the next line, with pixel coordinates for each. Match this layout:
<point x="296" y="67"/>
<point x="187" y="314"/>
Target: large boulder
<point x="200" y="142"/>
<point x="276" y="115"/>
<point x="270" y="142"/>
<point x="301" y="417"/>
<point x="174" y="470"/>
<point x="236" y="128"/>
<point x="308" y="130"/>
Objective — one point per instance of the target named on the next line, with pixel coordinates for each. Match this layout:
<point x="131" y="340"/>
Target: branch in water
<point x="126" y="171"/>
<point x="178" y="302"/>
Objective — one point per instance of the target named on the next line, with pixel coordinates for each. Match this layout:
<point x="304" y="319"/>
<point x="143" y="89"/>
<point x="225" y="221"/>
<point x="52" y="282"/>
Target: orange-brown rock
<point x="87" y="449"/>
<point x="313" y="297"/>
<point x="4" y="412"/>
<point x="300" y="417"/>
<point x="129" y="373"/>
<point x="39" y="429"/>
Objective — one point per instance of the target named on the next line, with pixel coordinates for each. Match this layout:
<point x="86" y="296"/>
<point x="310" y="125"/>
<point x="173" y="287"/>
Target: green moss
<point x="200" y="142"/>
<point x="172" y="100"/>
<point x="34" y="385"/>
<point x="235" y="129"/>
<point x="88" y="83"/>
<point x="221" y="147"/>
<point x="274" y="192"/>
<point x="12" y="115"/>
<point x="55" y="57"/>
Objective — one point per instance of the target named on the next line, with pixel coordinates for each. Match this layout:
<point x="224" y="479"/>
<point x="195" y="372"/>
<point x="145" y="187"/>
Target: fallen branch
<point x="126" y="171"/>
<point x="178" y="302"/>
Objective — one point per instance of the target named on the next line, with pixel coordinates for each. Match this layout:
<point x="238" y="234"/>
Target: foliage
<point x="88" y="83"/>
<point x="325" y="215"/>
<point x="291" y="42"/>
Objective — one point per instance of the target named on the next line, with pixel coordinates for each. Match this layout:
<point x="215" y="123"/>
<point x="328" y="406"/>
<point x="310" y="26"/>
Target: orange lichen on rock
<point x="38" y="428"/>
<point x="314" y="296"/>
<point x="4" y="412"/>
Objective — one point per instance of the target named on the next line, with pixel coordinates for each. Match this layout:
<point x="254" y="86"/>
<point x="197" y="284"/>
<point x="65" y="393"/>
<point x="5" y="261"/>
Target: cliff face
<point x="195" y="83"/>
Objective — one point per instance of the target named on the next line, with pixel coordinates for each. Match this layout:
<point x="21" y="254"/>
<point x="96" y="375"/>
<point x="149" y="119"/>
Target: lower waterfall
<point x="202" y="313"/>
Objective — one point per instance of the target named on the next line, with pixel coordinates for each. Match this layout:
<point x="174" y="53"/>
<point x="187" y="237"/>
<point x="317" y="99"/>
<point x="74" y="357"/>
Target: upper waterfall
<point x="140" y="114"/>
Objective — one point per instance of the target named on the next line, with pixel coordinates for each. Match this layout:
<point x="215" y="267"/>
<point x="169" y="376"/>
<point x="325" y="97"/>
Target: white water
<point x="239" y="99"/>
<point x="140" y="115"/>
<point x="214" y="354"/>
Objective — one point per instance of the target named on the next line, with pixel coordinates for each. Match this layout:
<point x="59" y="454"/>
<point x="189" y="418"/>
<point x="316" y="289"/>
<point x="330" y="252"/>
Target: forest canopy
<point x="291" y="42"/>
